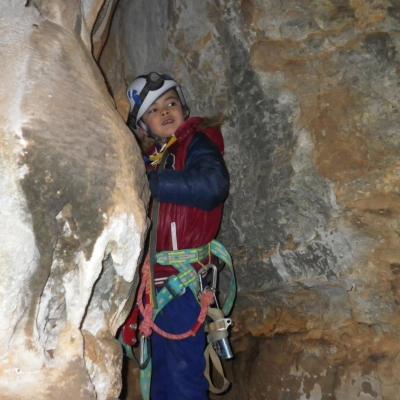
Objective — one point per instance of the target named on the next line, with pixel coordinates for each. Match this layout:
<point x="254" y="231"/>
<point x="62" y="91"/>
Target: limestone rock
<point x="73" y="195"/>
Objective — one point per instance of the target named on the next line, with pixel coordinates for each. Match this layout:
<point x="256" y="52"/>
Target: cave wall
<point x="73" y="198"/>
<point x="310" y="90"/>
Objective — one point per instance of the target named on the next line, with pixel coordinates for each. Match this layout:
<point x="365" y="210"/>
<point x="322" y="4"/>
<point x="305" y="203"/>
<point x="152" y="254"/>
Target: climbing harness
<point x="175" y="286"/>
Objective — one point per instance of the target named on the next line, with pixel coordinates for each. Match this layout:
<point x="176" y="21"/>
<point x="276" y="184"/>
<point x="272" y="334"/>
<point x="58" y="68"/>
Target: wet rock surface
<point x="310" y="91"/>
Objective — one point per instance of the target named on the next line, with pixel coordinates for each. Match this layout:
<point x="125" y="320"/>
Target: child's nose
<point x="164" y="111"/>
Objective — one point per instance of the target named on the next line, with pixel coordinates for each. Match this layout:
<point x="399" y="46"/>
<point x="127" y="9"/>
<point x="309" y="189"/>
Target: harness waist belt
<point x="184" y="256"/>
<point x="163" y="272"/>
<point x="168" y="260"/>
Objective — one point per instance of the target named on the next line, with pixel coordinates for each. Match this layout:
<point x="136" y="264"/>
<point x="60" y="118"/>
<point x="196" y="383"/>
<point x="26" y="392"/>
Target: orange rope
<point x="148" y="325"/>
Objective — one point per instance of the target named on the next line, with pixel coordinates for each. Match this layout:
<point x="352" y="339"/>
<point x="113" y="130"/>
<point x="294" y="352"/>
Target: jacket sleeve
<point x="203" y="184"/>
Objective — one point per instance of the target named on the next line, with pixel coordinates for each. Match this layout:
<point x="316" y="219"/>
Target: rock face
<point x="311" y="95"/>
<point x="73" y="198"/>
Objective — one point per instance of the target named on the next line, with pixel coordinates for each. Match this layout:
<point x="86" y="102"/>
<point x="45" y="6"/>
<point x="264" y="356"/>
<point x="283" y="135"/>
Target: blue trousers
<point x="178" y="365"/>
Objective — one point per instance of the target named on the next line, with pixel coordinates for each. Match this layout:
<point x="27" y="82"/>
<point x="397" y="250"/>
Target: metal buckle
<point x="223" y="324"/>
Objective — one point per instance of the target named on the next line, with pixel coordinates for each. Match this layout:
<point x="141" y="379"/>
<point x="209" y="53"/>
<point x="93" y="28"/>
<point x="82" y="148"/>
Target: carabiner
<point x="144" y="348"/>
<point x="203" y="284"/>
<point x="214" y="281"/>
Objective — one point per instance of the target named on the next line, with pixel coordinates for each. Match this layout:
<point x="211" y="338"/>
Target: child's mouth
<point x="168" y="121"/>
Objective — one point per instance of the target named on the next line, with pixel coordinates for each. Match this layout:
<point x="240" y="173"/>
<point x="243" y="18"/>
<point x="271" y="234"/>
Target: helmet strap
<point x="148" y="131"/>
<point x="142" y="125"/>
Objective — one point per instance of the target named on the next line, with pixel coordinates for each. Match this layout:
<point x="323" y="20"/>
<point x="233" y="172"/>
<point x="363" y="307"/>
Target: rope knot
<point x="207" y="298"/>
<point x="147" y="323"/>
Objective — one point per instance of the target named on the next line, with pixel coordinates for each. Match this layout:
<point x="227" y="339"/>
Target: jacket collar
<point x="188" y="128"/>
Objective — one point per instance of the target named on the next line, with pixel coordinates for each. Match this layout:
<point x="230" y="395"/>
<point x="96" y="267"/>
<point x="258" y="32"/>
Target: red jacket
<point x="192" y="188"/>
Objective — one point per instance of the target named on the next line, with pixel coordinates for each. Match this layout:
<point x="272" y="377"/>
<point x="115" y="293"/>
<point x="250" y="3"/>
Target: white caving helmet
<point x="145" y="90"/>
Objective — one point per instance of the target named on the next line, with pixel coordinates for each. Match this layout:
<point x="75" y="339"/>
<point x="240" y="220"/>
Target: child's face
<point x="165" y="115"/>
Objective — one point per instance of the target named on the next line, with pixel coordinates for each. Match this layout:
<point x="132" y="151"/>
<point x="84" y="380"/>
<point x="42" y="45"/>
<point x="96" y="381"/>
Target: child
<point x="191" y="188"/>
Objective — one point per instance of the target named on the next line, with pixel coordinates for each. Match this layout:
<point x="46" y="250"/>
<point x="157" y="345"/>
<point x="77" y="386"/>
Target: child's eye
<point x="172" y="103"/>
<point x="151" y="110"/>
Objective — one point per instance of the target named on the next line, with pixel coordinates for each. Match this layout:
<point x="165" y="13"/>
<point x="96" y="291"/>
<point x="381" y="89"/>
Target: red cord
<point x="148" y="325"/>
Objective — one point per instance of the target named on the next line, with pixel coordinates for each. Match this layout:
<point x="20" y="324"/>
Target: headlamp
<point x="154" y="81"/>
